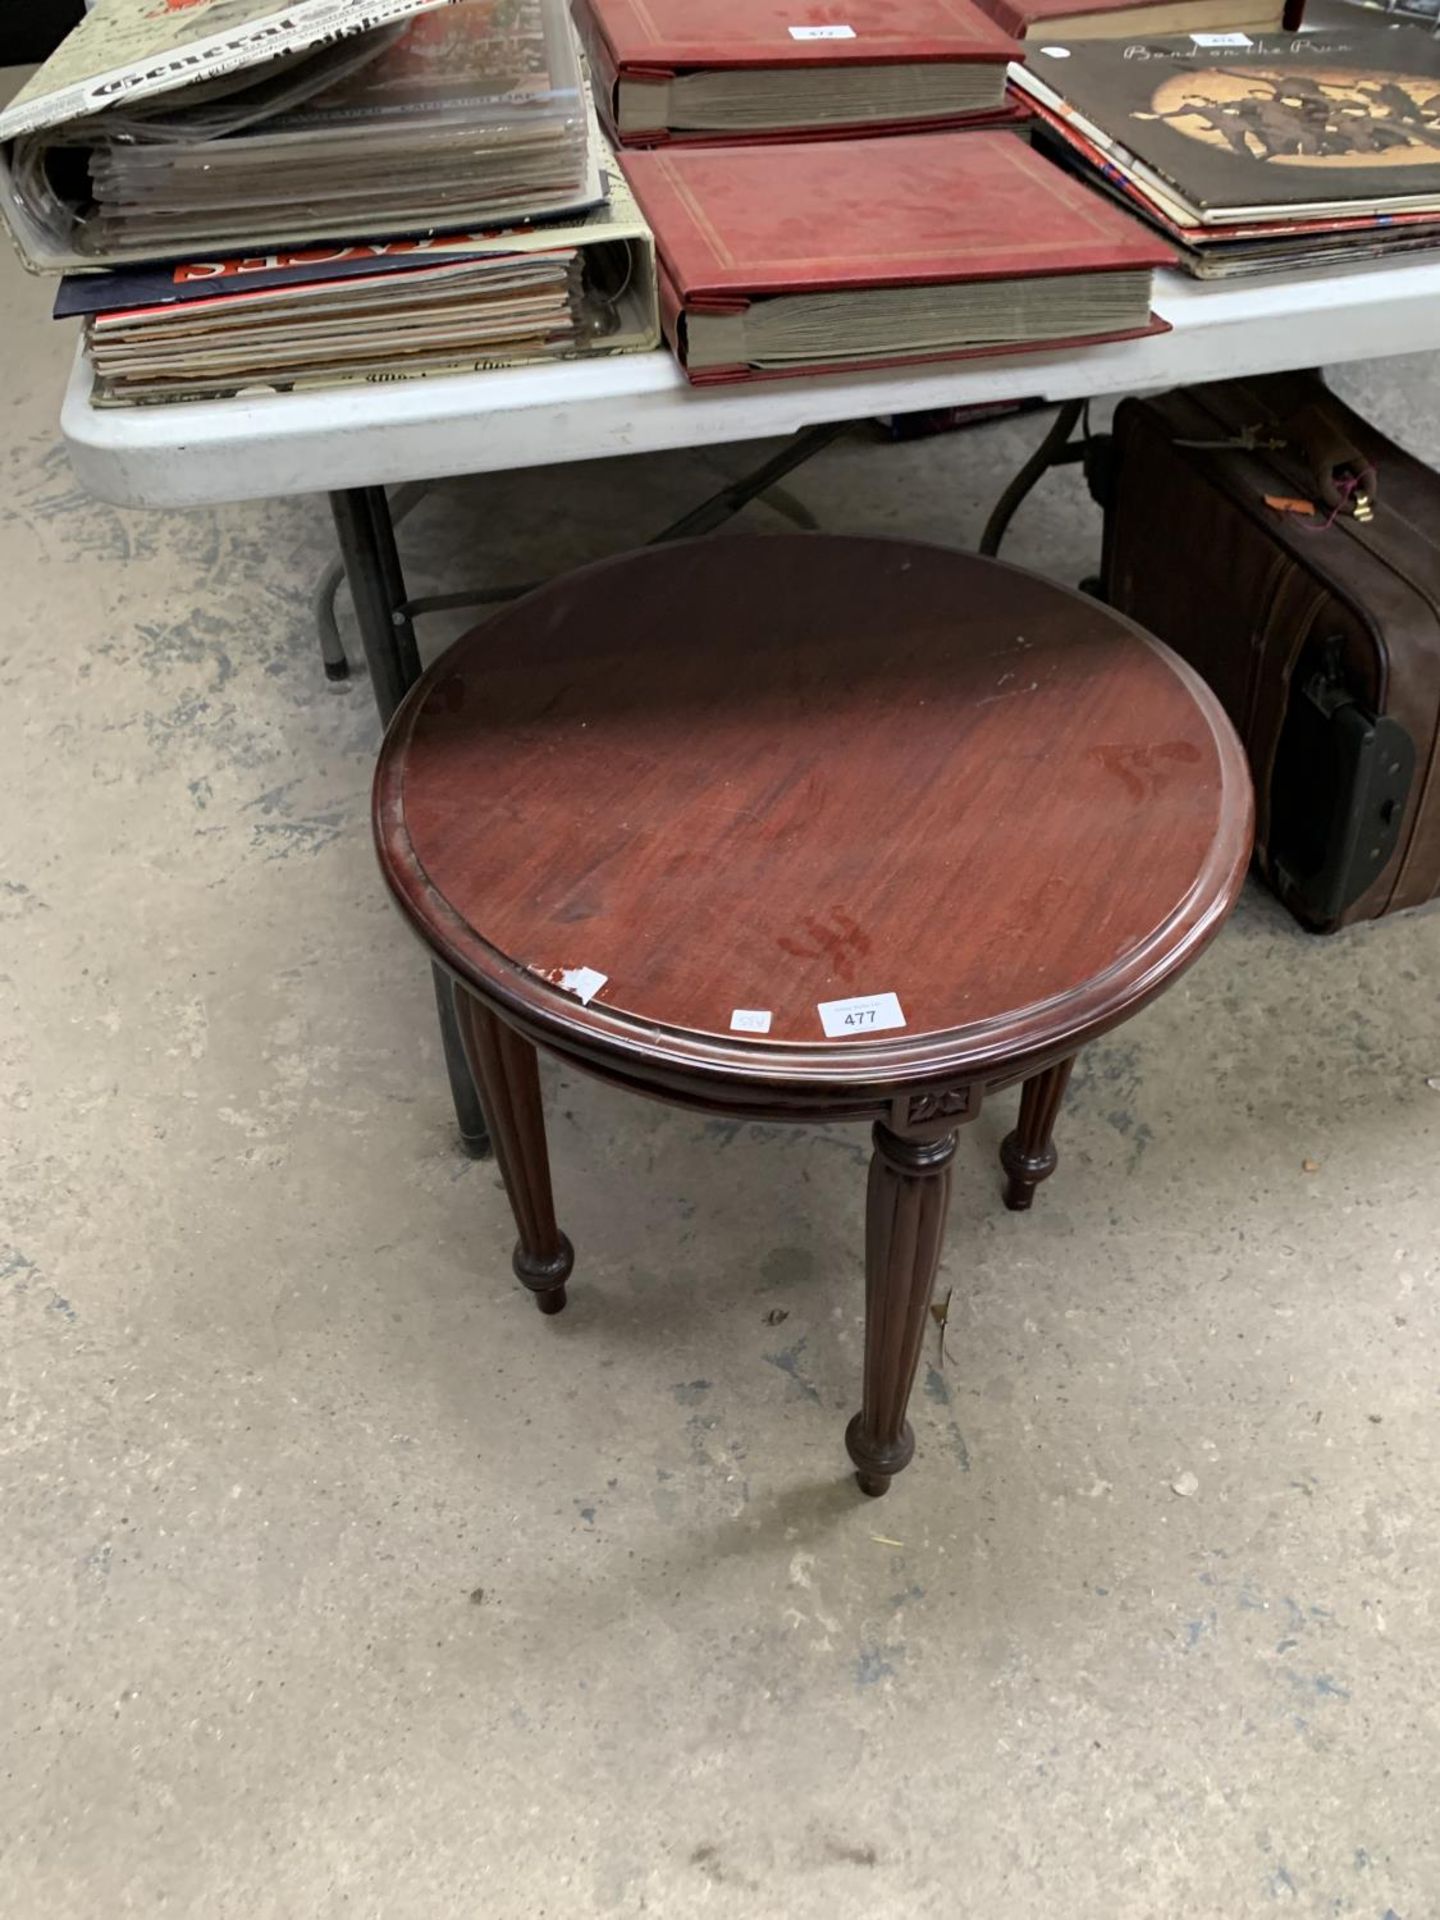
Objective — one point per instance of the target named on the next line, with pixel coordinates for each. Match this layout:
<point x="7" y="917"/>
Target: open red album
<point x="697" y="70"/>
<point x="782" y="260"/>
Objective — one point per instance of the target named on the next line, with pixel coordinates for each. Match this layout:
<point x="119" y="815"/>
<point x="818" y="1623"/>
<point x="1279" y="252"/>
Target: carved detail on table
<point x="941" y="1103"/>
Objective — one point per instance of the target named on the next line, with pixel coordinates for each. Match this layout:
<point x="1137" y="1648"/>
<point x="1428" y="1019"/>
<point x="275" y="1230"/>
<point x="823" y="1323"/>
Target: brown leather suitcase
<point x="1320" y="631"/>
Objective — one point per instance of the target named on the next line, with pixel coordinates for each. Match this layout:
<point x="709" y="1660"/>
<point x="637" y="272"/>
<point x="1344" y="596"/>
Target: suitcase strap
<point x="1384" y="538"/>
<point x="1338" y="472"/>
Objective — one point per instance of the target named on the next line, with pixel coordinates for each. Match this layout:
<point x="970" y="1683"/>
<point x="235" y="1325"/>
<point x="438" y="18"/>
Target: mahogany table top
<point x="764" y="774"/>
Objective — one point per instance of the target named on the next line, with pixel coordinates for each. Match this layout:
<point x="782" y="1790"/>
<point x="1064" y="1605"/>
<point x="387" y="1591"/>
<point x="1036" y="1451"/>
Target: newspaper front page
<point x="131" y="49"/>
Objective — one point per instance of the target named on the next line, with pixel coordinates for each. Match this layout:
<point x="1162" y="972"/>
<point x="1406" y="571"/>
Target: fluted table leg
<point x="908" y="1196"/>
<point x="1028" y="1154"/>
<point x="505" y="1066"/>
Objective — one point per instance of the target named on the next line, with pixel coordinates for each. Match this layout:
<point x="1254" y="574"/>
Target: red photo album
<point x="797" y="259"/>
<point x="752" y="70"/>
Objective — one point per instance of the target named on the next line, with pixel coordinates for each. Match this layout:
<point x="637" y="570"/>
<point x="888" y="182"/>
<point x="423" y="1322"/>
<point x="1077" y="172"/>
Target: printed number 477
<point x="861" y="1016"/>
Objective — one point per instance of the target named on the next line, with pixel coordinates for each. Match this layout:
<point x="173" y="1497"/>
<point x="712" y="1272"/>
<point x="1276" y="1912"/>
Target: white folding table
<point x="353" y="442"/>
<point x="211" y="451"/>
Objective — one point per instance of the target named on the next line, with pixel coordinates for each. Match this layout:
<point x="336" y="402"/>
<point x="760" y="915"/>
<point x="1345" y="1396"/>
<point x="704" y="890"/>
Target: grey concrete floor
<point x="337" y="1581"/>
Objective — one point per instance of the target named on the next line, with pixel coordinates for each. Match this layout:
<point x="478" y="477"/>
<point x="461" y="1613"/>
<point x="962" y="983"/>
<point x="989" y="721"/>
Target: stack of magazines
<point x="375" y="314"/>
<point x="224" y="134"/>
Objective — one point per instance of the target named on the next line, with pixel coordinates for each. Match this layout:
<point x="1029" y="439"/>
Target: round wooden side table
<point x="809" y="828"/>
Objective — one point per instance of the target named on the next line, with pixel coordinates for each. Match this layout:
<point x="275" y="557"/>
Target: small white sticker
<point x="583" y="982"/>
<point x="1056" y="53"/>
<point x="822" y="33"/>
<point x="866" y="1013"/>
<point x="749" y="1020"/>
<point x="1222" y="40"/>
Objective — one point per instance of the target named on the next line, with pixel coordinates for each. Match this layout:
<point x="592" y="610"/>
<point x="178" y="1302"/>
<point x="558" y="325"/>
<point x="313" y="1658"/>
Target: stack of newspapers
<point x="248" y="197"/>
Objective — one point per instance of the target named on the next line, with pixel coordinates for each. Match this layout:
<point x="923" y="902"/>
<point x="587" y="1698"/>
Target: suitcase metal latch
<point x="1342" y="778"/>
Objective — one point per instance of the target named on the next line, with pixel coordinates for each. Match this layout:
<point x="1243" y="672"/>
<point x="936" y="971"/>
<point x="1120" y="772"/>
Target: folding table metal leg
<point x="377" y="590"/>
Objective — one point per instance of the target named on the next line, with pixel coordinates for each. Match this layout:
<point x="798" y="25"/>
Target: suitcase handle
<point x="1343" y="477"/>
